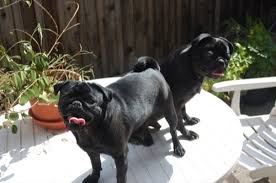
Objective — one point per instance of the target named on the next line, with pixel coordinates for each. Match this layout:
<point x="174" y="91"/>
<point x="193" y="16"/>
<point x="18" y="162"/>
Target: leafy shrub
<point x="32" y="74"/>
<point x="259" y="44"/>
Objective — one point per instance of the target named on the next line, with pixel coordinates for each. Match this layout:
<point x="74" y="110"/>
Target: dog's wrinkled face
<point x="81" y="103"/>
<point x="210" y="55"/>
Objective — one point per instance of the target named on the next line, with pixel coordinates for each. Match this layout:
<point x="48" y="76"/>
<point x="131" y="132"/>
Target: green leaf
<point x="14" y="129"/>
<point x="28" y="52"/>
<point x="9" y="63"/>
<point x="28" y="2"/>
<point x="45" y="80"/>
<point x="1" y="127"/>
<point x="41" y="62"/>
<point x="41" y="83"/>
<point x="53" y="99"/>
<point x="22" y="77"/>
<point x="31" y="92"/>
<point x="33" y="75"/>
<point x="24" y="99"/>
<point x="6" y="115"/>
<point x="17" y="81"/>
<point x="44" y="97"/>
<point x="13" y="116"/>
<point x="16" y="57"/>
<point x="36" y="91"/>
<point x="39" y="30"/>
<point x="24" y="115"/>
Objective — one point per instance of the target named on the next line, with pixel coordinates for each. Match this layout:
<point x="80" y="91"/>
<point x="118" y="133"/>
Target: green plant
<point x="33" y="80"/>
<point x="31" y="75"/>
<point x="259" y="43"/>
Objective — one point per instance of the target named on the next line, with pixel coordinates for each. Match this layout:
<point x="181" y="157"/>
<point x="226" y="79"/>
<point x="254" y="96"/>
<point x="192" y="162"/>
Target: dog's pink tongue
<point x="78" y="121"/>
<point x="218" y="74"/>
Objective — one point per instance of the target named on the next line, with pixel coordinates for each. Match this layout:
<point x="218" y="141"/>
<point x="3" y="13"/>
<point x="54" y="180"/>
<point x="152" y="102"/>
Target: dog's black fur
<point x="114" y="112"/>
<point x="185" y="69"/>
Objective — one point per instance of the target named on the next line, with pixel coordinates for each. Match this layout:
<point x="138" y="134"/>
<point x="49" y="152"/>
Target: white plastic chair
<point x="259" y="148"/>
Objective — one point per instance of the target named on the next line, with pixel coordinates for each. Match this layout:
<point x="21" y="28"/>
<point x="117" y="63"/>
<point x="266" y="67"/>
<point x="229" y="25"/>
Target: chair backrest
<point x="236" y="86"/>
<point x="259" y="149"/>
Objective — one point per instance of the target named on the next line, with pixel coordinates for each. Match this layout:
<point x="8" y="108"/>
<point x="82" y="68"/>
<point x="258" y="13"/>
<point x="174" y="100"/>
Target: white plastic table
<point x="36" y="155"/>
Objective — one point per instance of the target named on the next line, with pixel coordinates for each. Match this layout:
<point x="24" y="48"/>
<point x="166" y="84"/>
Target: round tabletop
<point x="207" y="159"/>
<point x="38" y="155"/>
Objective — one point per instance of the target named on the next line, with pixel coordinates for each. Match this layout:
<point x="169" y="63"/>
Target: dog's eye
<point x="209" y="53"/>
<point x="90" y="100"/>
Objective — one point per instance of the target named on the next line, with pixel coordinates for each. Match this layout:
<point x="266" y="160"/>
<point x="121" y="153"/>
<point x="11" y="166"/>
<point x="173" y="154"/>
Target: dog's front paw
<point x="179" y="150"/>
<point x="92" y="178"/>
<point x="148" y="140"/>
<point x="190" y="135"/>
<point x="192" y="121"/>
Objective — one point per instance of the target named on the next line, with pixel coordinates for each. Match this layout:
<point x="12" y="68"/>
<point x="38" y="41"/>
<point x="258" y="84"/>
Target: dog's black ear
<point x="58" y="86"/>
<point x="107" y="94"/>
<point x="201" y="38"/>
<point x="196" y="42"/>
<point x="230" y="45"/>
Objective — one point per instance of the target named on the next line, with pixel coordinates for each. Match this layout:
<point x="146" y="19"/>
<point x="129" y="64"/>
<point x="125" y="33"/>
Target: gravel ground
<point x="241" y="175"/>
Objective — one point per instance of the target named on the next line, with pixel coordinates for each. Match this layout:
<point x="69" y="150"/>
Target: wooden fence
<point x="119" y="31"/>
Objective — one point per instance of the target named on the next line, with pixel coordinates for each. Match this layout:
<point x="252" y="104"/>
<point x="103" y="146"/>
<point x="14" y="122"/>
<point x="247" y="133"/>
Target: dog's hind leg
<point x="96" y="165"/>
<point x="141" y="136"/>
<point x="171" y="118"/>
<point x="148" y="140"/>
<point x="121" y="166"/>
<point x="155" y="126"/>
<point x="188" y="120"/>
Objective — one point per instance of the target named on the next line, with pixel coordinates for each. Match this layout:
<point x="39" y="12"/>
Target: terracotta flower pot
<point x="45" y="112"/>
<point x="46" y="115"/>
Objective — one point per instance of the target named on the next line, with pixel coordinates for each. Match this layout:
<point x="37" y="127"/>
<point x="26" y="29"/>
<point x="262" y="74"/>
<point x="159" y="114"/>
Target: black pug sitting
<point x="185" y="69"/>
<point x="103" y="119"/>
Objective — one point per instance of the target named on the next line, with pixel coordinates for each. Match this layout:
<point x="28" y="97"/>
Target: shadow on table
<point x="145" y="164"/>
<point x="81" y="177"/>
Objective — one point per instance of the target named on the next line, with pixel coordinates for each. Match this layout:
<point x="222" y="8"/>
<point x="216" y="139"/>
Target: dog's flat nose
<point x="221" y="62"/>
<point x="76" y="104"/>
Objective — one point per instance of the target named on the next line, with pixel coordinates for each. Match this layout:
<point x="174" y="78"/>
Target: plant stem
<point x="16" y="100"/>
<point x="32" y="38"/>
<point x="11" y="4"/>
<point x="48" y="13"/>
<point x="65" y="29"/>
<point x="18" y="42"/>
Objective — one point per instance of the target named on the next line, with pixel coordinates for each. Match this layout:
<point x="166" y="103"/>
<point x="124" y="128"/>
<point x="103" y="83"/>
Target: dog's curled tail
<point x="145" y="63"/>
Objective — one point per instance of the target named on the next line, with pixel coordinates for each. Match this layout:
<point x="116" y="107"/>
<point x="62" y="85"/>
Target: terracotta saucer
<point x="55" y="125"/>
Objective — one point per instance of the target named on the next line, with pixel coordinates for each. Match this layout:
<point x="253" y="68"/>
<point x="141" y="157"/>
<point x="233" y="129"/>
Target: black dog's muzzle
<point x="222" y="62"/>
<point x="75" y="105"/>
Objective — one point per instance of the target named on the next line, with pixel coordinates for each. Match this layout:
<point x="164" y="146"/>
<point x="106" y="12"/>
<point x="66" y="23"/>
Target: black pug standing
<point x="102" y="119"/>
<point x="185" y="69"/>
